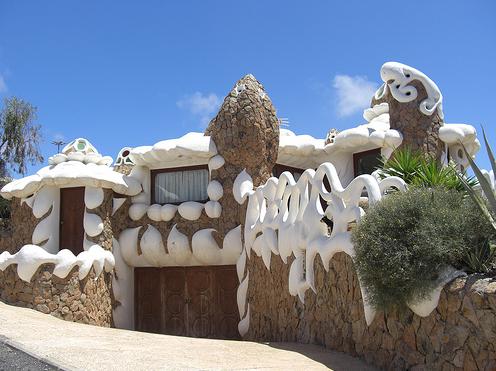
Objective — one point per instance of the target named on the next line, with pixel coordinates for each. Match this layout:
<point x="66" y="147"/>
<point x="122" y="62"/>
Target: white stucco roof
<point x="306" y="151"/>
<point x="72" y="168"/>
<point x="191" y="148"/>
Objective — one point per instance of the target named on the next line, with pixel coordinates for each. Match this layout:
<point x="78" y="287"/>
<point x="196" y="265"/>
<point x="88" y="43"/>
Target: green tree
<point x="20" y="136"/>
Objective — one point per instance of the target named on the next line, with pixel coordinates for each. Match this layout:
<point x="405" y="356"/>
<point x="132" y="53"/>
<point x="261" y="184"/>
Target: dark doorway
<point x="71" y="235"/>
<point x="187" y="301"/>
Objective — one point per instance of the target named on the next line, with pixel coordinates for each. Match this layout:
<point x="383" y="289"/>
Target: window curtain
<point x="180" y="186"/>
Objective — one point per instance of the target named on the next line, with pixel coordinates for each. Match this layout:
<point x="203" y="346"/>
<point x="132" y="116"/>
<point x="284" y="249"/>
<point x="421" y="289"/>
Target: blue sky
<point x="133" y="73"/>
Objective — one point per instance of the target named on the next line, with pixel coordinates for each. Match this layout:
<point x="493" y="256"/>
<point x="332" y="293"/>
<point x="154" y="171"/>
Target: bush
<point x="404" y="241"/>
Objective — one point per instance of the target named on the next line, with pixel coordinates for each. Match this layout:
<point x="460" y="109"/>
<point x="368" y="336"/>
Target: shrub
<point x="403" y="242"/>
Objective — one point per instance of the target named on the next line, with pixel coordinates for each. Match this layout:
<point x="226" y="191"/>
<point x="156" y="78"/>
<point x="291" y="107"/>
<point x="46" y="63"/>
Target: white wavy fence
<point x="284" y="218"/>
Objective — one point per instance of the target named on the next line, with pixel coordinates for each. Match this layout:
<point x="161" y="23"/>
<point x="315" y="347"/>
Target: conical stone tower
<point x="246" y="130"/>
<point x="246" y="134"/>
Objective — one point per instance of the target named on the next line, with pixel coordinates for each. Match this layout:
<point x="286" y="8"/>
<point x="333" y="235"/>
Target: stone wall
<point x="85" y="301"/>
<point x="459" y="334"/>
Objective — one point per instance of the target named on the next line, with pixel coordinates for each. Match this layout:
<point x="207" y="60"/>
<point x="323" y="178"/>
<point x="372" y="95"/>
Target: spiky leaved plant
<point x="482" y="258"/>
<point x="486" y="188"/>
<point x="404" y="163"/>
<point x="418" y="169"/>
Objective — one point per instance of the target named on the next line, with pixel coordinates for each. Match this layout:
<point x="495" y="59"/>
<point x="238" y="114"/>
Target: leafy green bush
<point x="404" y="241"/>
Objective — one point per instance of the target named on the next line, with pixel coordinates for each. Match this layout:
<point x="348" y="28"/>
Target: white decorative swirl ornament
<point x="398" y="76"/>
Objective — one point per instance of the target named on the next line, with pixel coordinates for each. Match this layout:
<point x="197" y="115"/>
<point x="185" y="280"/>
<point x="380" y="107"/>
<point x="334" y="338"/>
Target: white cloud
<point x="201" y="105"/>
<point x="3" y="85"/>
<point x="59" y="137"/>
<point x="354" y="93"/>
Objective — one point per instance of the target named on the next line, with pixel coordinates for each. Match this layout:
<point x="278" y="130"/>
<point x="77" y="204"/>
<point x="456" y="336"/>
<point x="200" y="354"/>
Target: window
<point x="366" y="162"/>
<point x="173" y="186"/>
<point x="279" y="169"/>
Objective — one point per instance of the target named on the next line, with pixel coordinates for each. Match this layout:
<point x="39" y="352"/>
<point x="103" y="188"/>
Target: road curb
<point x="15" y="345"/>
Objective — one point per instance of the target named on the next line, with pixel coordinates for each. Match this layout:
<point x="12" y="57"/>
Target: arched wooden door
<point x="187" y="301"/>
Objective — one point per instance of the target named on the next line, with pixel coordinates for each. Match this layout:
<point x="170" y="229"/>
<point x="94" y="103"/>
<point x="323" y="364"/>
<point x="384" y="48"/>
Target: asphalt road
<point x="12" y="359"/>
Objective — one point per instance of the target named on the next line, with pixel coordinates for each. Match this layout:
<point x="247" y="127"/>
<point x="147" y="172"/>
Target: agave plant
<point x="487" y="208"/>
<point x="424" y="171"/>
<point x="432" y="173"/>
<point x="405" y="164"/>
<point x="480" y="258"/>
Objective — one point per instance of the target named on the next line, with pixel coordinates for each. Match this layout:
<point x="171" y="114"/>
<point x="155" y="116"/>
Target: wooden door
<point x="173" y="306"/>
<point x="201" y="302"/>
<point x="147" y="296"/>
<point x="71" y="230"/>
<point x="226" y="314"/>
<point x="187" y="301"/>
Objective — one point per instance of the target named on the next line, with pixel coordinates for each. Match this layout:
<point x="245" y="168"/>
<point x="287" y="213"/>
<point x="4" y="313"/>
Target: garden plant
<point x="404" y="241"/>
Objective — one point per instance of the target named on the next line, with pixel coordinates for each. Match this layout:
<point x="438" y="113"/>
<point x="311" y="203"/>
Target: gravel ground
<point x="13" y="359"/>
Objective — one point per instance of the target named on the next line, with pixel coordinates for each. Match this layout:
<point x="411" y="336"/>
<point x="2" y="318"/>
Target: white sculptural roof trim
<point x="192" y="146"/>
<point x="74" y="167"/>
<point x="311" y="151"/>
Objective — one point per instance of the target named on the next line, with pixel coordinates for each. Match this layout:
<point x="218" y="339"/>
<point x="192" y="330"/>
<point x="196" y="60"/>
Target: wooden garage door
<point x="188" y="301"/>
<point x="71" y="230"/>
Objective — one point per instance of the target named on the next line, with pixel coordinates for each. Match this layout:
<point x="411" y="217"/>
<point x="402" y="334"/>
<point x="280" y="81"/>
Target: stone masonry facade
<point x="459" y="335"/>
<point x="86" y="301"/>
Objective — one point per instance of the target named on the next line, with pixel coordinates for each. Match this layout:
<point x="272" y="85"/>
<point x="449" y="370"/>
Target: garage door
<point x="187" y="301"/>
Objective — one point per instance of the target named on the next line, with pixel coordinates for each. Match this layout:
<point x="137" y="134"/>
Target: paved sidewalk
<point x="75" y="346"/>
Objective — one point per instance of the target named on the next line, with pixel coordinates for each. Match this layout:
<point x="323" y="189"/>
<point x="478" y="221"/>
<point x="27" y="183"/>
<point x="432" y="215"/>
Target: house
<point x="160" y="240"/>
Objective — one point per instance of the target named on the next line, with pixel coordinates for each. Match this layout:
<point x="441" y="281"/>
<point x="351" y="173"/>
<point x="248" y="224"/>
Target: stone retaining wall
<point x="459" y="334"/>
<point x="85" y="301"/>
